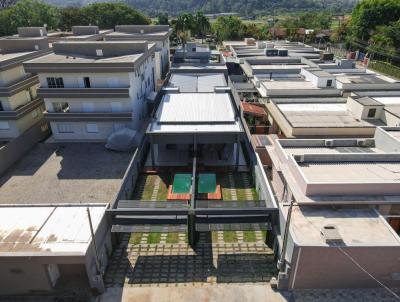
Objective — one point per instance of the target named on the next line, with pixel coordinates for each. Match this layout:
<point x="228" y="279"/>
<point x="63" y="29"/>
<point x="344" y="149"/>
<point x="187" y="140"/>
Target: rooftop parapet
<point x="102" y="49"/>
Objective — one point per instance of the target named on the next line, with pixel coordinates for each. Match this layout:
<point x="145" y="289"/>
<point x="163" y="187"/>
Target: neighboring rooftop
<point x="140" y="32"/>
<point x="83" y="54"/>
<point x="354" y="226"/>
<point x="322" y="114"/>
<point x="67" y="173"/>
<point x="41" y="230"/>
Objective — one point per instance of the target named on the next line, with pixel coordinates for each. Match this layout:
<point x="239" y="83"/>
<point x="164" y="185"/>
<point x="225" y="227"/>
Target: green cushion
<point x="182" y="183"/>
<point x="207" y="183"/>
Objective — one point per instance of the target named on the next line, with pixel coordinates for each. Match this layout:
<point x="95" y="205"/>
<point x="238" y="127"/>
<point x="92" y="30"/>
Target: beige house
<point x="319" y="117"/>
<point x="91" y="89"/>
<point x="343" y="200"/>
<point x="20" y="106"/>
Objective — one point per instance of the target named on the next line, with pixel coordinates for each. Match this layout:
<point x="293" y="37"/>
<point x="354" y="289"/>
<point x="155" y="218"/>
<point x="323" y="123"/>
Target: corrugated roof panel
<point x="196" y="107"/>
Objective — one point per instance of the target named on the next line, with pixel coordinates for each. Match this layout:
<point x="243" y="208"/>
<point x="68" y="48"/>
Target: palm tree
<point x="202" y="25"/>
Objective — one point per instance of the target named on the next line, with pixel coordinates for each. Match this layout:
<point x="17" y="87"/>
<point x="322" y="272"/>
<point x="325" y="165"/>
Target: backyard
<point x="235" y="186"/>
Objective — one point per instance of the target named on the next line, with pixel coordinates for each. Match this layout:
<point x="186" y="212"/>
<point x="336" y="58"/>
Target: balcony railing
<point x="84" y="92"/>
<point x="88" y="116"/>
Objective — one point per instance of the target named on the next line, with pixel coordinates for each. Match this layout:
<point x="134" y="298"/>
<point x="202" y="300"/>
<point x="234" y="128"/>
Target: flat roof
<point x="65" y="173"/>
<point x="320" y="115"/>
<point x="289" y="84"/>
<point x="351" y="172"/>
<point x="367" y="78"/>
<point x="197" y="82"/>
<point x="196" y="112"/>
<point x="356" y="226"/>
<point x="138" y="35"/>
<point x="14" y="55"/>
<point x="47" y="229"/>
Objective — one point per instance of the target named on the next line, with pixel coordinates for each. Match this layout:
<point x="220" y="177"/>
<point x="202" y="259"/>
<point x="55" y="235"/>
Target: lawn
<point x="240" y="188"/>
<point x="154" y="238"/>
<point x="135" y="238"/>
<point x="172" y="238"/>
<point x="249" y="236"/>
<point x="149" y="182"/>
<point x="230" y="236"/>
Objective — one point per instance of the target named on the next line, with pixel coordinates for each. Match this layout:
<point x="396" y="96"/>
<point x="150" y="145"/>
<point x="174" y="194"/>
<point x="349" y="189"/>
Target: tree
<point x="28" y="13"/>
<point x="107" y="15"/>
<point x="70" y="16"/>
<point x="201" y="25"/>
<point x="368" y="14"/>
<point x="228" y="28"/>
<point x="162" y="19"/>
<point x="184" y="22"/>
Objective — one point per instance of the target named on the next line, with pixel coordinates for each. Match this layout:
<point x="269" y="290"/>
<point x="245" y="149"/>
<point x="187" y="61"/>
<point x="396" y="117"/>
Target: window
<point x="88" y="106"/>
<point x="4" y="126"/>
<point x="116" y="107"/>
<point x="55" y="82"/>
<point x="113" y="82"/>
<point x="372" y="112"/>
<point x="86" y="82"/>
<point x="329" y="83"/>
<point x="92" y="128"/>
<point x="60" y="107"/>
<point x="64" y="128"/>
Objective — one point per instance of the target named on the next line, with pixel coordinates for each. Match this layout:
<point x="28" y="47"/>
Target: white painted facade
<point x="140" y="83"/>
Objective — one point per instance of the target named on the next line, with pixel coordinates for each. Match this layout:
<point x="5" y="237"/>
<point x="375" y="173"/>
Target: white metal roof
<point x="197" y="83"/>
<point x="196" y="112"/>
<point x="196" y="107"/>
<point x="47" y="229"/>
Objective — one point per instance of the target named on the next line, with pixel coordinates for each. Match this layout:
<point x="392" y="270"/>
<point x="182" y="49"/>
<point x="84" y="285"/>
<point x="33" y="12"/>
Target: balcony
<point x="84" y="92"/>
<point x="19" y="85"/>
<point x="21" y="111"/>
<point x="87" y="116"/>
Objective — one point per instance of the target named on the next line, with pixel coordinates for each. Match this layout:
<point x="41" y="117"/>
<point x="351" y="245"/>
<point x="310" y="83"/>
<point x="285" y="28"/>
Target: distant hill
<point x="243" y="7"/>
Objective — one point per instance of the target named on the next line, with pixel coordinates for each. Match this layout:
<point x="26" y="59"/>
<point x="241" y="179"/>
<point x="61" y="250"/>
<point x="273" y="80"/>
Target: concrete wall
<point x="328" y="267"/>
<point x="20" y="276"/>
<point x="15" y="149"/>
<point x="11" y="75"/>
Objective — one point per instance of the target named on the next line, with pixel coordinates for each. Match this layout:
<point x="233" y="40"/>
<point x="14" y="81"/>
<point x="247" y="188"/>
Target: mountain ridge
<point x="243" y="7"/>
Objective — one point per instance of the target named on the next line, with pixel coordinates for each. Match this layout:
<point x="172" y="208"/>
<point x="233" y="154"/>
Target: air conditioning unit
<point x="142" y="31"/>
<point x="329" y="143"/>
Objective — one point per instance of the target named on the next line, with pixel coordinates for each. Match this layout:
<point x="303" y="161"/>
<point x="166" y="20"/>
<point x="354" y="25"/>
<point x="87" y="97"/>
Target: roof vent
<point x="331" y="234"/>
<point x="329" y="143"/>
<point x="99" y="52"/>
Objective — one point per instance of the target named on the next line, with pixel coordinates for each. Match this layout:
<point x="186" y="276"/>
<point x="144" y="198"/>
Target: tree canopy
<point x="38" y="13"/>
<point x="375" y="26"/>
